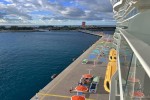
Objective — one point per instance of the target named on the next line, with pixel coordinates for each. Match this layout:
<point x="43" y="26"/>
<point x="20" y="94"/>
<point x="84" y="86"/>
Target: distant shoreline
<point x="18" y="31"/>
<point x="53" y="28"/>
<point x="21" y="31"/>
<point x="35" y="30"/>
<point x="44" y="30"/>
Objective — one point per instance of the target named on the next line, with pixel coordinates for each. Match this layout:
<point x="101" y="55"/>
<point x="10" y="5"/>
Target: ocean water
<point x="28" y="59"/>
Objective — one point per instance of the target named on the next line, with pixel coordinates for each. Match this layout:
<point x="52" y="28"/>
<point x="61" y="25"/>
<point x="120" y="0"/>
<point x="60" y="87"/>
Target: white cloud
<point x="89" y="10"/>
<point x="2" y="21"/>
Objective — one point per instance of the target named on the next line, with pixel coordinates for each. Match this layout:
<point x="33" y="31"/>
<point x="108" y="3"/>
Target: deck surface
<point x="58" y="89"/>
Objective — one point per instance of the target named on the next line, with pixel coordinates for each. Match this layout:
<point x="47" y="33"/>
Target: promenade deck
<point x="58" y="89"/>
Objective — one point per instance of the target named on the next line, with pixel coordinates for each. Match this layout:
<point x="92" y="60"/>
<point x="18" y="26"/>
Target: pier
<point x="59" y="88"/>
<point x="91" y="32"/>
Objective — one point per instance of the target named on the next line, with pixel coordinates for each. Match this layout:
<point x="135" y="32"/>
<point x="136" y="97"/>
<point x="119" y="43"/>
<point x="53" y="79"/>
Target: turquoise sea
<point x="28" y="59"/>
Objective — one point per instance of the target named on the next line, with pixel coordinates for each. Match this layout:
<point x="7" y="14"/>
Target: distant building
<point x="83" y="24"/>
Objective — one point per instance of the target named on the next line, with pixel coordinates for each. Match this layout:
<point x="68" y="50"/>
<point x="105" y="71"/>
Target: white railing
<point x="114" y="1"/>
<point x="117" y="3"/>
<point x="121" y="2"/>
<point x="145" y="66"/>
<point x="139" y="57"/>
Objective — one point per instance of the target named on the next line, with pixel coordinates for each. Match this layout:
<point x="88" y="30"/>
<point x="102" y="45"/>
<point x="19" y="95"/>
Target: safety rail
<point x="114" y="1"/>
<point x="136" y="71"/>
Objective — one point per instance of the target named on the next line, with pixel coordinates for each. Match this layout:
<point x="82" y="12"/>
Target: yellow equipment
<point x="111" y="69"/>
<point x="112" y="55"/>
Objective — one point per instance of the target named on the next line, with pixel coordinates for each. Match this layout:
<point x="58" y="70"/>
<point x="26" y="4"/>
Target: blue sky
<point x="56" y="12"/>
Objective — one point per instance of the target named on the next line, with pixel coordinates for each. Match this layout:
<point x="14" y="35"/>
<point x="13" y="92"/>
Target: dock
<point x="92" y="33"/>
<point x="58" y="89"/>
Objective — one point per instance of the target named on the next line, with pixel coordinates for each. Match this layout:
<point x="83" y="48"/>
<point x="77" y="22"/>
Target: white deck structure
<point x="131" y="39"/>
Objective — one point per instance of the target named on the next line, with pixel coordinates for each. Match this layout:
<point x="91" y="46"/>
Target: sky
<point x="56" y="12"/>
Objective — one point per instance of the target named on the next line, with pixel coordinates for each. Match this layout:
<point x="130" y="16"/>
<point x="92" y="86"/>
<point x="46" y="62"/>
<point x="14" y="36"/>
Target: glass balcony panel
<point x="138" y="84"/>
<point x="135" y="81"/>
<point x="125" y="56"/>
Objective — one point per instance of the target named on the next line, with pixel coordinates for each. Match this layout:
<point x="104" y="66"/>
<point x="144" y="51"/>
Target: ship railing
<point x="122" y="4"/>
<point x="114" y="1"/>
<point x="124" y="11"/>
<point x="135" y="71"/>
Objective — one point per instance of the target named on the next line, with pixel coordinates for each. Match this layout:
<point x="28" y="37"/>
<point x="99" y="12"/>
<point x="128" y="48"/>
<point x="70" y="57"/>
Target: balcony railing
<point x="114" y="1"/>
<point x="119" y="4"/>
<point x="134" y="71"/>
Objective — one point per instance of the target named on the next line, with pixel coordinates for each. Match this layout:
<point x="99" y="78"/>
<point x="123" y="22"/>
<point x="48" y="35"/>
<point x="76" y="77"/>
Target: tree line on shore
<point x="56" y="28"/>
<point x="15" y="28"/>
